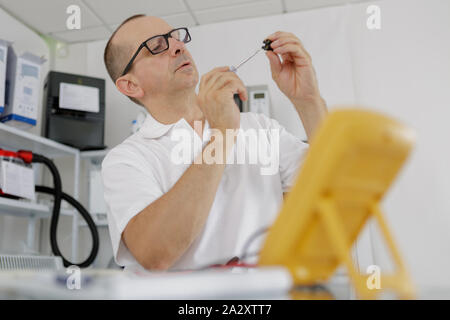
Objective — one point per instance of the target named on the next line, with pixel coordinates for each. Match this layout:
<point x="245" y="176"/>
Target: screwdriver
<point x="266" y="47"/>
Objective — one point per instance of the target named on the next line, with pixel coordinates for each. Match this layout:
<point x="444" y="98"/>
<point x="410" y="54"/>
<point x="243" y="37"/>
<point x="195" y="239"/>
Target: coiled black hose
<point x="59" y="195"/>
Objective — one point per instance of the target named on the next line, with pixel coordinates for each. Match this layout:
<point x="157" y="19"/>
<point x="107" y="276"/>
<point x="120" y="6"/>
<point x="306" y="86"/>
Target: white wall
<point x="404" y="70"/>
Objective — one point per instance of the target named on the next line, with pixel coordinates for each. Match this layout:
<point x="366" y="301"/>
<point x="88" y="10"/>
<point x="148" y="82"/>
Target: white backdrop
<point x="404" y="70"/>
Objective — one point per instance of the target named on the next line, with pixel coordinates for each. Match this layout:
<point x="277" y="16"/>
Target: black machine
<point x="74" y="110"/>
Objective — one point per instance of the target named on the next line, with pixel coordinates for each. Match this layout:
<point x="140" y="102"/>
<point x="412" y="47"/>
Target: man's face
<point x="159" y="74"/>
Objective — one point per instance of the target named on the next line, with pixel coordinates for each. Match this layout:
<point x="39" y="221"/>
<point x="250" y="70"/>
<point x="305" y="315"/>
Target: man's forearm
<point x="311" y="113"/>
<point x="164" y="230"/>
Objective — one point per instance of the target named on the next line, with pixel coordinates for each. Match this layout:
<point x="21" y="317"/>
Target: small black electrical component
<point x="266" y="45"/>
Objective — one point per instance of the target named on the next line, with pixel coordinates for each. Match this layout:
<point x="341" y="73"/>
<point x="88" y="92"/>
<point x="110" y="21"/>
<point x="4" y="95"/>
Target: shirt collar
<point x="153" y="129"/>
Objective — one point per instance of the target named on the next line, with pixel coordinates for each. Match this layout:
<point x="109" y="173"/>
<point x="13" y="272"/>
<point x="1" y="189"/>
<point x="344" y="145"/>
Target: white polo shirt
<point x="142" y="168"/>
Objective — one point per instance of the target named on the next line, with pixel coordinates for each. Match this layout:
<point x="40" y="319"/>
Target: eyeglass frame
<point x="144" y="44"/>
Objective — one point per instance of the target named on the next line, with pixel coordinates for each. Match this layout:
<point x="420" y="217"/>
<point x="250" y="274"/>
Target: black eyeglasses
<point x="160" y="43"/>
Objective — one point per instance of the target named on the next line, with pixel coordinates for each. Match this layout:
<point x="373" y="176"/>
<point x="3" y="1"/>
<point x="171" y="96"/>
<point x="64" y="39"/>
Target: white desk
<point x="261" y="283"/>
<point x="235" y="284"/>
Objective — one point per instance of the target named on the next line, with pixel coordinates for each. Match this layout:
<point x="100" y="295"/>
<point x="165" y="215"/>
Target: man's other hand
<point x="215" y="98"/>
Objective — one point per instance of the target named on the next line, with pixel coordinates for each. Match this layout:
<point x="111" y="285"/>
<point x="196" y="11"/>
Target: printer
<point x="74" y="110"/>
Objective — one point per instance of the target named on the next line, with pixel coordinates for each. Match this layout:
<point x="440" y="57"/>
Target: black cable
<point x="58" y="196"/>
<point x="90" y="223"/>
<point x="252" y="238"/>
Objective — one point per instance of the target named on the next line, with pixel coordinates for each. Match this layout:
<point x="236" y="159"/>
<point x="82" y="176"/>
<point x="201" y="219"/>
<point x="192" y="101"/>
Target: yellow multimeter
<point x="353" y="159"/>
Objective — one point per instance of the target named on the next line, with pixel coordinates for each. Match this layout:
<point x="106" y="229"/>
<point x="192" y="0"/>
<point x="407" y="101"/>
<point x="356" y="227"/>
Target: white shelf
<point x="22" y="208"/>
<point x="102" y="224"/>
<point x="95" y="157"/>
<point x="14" y="139"/>
<point x="94" y="154"/>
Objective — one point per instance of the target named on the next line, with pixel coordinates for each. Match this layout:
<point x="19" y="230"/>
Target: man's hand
<point x="294" y="76"/>
<point x="215" y="98"/>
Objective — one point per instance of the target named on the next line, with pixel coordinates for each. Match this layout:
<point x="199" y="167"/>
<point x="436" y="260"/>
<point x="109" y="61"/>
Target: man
<point x="164" y="215"/>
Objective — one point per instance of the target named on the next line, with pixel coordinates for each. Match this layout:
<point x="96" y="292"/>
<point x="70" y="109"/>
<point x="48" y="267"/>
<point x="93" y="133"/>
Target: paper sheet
<point x="17" y="180"/>
<point x="79" y="97"/>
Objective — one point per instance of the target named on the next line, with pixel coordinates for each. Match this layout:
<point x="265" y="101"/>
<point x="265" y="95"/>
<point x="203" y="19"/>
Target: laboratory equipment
<point x="16" y="176"/>
<point x="74" y="110"/>
<point x="3" y="63"/>
<point x="30" y="262"/>
<point x="97" y="204"/>
<point x="137" y="123"/>
<point x="23" y="74"/>
<point x="258" y="101"/>
<point x="27" y="158"/>
<point x="353" y="159"/>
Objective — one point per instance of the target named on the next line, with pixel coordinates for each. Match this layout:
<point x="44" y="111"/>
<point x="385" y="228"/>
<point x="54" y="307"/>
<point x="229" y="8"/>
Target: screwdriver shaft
<point x="233" y="69"/>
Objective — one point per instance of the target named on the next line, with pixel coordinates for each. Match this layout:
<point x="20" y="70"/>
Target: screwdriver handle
<point x="266" y="45"/>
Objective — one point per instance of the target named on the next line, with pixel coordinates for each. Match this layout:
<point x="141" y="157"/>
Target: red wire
<point x="234" y="265"/>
